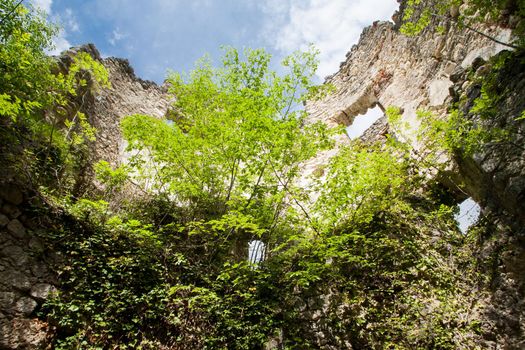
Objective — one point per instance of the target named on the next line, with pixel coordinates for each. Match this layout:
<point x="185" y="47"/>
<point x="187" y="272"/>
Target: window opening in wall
<point x="468" y="215"/>
<point x="363" y="122"/>
<point x="256" y="251"/>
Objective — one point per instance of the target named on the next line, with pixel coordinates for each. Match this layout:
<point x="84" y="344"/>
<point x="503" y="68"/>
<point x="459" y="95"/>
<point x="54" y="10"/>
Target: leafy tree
<point x="362" y="181"/>
<point x="235" y="137"/>
<point x="25" y="72"/>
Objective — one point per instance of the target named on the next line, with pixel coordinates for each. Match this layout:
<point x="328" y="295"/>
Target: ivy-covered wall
<point x="377" y="262"/>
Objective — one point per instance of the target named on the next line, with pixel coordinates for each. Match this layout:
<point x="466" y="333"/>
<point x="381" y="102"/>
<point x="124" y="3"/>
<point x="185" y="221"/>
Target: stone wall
<point x="495" y="177"/>
<point x="26" y="261"/>
<point x="430" y="72"/>
<point x="385" y="68"/>
<point x="128" y="95"/>
<point x="26" y="279"/>
<point x="391" y="69"/>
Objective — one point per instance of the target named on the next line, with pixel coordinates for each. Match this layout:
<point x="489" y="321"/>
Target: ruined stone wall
<point x="26" y="278"/>
<point x="391" y="69"/>
<point x="429" y="72"/>
<point x="128" y="95"/>
<point x="385" y="68"/>
<point x="495" y="177"/>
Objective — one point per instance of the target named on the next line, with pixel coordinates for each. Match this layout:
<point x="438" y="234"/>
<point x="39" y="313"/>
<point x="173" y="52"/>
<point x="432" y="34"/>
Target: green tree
<point x="362" y="181"/>
<point x="235" y="137"/>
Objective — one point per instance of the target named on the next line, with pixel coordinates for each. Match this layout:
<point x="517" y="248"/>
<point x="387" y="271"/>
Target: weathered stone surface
<point x="128" y="95"/>
<point x="377" y="131"/>
<point x="36" y="245"/>
<point x="16" y="279"/>
<point x="11" y="210"/>
<point x="42" y="291"/>
<point x="438" y="91"/>
<point x="15" y="254"/>
<point x="6" y="300"/>
<point x="23" y="333"/>
<point x="457" y="74"/>
<point x="4" y="220"/>
<point x="11" y="194"/>
<point x="428" y="72"/>
<point x="385" y="67"/>
<point x="392" y="69"/>
<point x="25" y="281"/>
<point x="16" y="228"/>
<point x="25" y="306"/>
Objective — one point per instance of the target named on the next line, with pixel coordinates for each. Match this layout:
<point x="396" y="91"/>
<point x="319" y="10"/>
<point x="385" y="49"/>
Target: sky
<point x="468" y="215"/>
<point x="161" y="35"/>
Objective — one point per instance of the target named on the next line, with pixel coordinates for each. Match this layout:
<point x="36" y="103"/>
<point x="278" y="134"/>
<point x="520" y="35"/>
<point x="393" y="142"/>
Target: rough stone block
<point x="11" y="210"/>
<point x="438" y="91"/>
<point x="16" y="254"/>
<point x="16" y="228"/>
<point x="11" y="194"/>
<point x="6" y="300"/>
<point x="4" y="220"/>
<point x="42" y="291"/>
<point x="15" y="279"/>
<point x="21" y="333"/>
<point x="457" y="74"/>
<point x="36" y="245"/>
<point x="25" y="306"/>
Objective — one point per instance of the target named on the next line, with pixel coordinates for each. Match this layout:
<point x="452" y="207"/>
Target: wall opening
<point x="468" y="215"/>
<point x="363" y="122"/>
<point x="256" y="251"/>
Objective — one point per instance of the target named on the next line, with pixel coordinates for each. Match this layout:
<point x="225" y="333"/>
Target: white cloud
<point x="116" y="36"/>
<point x="60" y="42"/>
<point x="44" y="5"/>
<point x="69" y="20"/>
<point x="332" y="26"/>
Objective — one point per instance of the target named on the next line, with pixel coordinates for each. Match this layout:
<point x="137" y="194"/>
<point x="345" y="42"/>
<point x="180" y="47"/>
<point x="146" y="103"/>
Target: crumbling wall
<point x="392" y="69"/>
<point x="495" y="177"/>
<point x="26" y="277"/>
<point x="128" y="95"/>
<point x="429" y="72"/>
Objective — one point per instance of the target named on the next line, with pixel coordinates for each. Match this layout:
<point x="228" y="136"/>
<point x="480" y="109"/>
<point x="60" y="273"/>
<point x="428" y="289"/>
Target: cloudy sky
<point x="157" y="35"/>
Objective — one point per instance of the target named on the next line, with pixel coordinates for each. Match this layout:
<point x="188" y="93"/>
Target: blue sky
<point x="157" y="35"/>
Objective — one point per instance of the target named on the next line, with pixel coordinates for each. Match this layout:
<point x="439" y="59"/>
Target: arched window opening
<point x="363" y="122"/>
<point x="468" y="215"/>
<point x="256" y="251"/>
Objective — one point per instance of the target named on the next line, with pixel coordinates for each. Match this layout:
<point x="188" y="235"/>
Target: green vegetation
<point x="466" y="14"/>
<point x="43" y="132"/>
<point x="466" y="131"/>
<point x="235" y="140"/>
<point x="373" y="261"/>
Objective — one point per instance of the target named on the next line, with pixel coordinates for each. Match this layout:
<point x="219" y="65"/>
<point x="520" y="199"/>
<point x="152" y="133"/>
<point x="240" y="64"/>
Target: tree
<point x="235" y="136"/>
